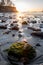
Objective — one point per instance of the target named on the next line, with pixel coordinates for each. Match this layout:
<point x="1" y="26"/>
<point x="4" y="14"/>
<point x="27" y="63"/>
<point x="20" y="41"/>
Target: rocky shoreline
<point x="7" y="9"/>
<point x="20" y="32"/>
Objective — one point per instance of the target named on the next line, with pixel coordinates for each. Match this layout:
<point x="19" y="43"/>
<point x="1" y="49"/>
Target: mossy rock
<point x="21" y="51"/>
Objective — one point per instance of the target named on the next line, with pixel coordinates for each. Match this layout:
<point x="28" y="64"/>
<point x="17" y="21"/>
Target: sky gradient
<point x="29" y="4"/>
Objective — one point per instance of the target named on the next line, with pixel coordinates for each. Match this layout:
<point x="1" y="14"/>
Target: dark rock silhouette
<point x="7" y="6"/>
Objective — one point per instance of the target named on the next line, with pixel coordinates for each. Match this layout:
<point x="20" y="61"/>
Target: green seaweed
<point x="22" y="49"/>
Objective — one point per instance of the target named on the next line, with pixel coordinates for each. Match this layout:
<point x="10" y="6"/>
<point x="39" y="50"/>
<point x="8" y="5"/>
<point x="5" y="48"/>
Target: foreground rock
<point x="21" y="52"/>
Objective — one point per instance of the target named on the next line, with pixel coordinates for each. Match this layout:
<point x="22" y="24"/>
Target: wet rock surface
<point x="14" y="28"/>
<point x="34" y="29"/>
<point x="3" y="21"/>
<point x="38" y="44"/>
<point x="38" y="33"/>
<point x="3" y="27"/>
<point x="20" y="35"/>
<point x="24" y="23"/>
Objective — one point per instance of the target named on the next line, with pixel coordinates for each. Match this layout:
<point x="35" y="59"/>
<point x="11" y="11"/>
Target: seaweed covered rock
<point x="21" y="51"/>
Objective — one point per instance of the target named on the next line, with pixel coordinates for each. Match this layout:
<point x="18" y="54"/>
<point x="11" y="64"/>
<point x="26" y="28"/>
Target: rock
<point x="3" y="21"/>
<point x="41" y="21"/>
<point x="38" y="33"/>
<point x="24" y="23"/>
<point x="14" y="21"/>
<point x="14" y="28"/>
<point x="19" y="35"/>
<point x="34" y="29"/>
<point x="13" y="35"/>
<point x="41" y="38"/>
<point x="7" y="32"/>
<point x="34" y="21"/>
<point x="30" y="27"/>
<point x="21" y="52"/>
<point x="38" y="44"/>
<point x="28" y="21"/>
<point x="11" y="24"/>
<point x="20" y="32"/>
<point x="3" y="27"/>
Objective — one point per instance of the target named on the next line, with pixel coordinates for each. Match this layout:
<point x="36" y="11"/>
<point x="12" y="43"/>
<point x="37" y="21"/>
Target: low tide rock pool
<point x="6" y="40"/>
<point x="23" y="34"/>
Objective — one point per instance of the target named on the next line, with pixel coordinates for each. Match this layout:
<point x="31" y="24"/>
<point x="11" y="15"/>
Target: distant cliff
<point x="8" y="9"/>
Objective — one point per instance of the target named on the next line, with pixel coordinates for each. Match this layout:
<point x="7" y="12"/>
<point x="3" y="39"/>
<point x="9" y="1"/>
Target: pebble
<point x="13" y="35"/>
<point x="20" y="35"/>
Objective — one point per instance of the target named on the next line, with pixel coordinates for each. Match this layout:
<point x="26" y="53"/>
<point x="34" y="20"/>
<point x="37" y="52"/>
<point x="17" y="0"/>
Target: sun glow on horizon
<point x="21" y="6"/>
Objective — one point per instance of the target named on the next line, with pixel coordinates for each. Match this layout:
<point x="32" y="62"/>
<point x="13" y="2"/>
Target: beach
<point x="14" y="36"/>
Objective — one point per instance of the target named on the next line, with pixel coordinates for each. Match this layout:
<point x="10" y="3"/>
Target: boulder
<point x="21" y="52"/>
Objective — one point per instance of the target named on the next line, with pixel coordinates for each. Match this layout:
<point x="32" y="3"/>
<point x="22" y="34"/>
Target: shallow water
<point x="6" y="40"/>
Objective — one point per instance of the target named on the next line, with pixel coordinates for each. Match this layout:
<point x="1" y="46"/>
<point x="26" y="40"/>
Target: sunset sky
<point x="28" y="5"/>
<point x="25" y="5"/>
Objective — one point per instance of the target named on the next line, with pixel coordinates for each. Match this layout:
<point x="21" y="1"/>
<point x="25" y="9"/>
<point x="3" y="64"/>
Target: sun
<point x="21" y="6"/>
